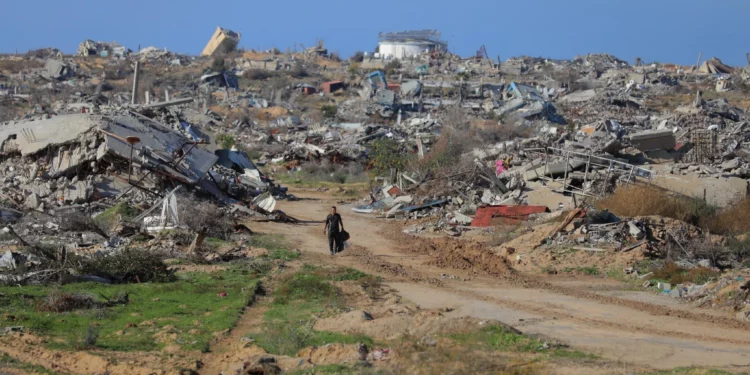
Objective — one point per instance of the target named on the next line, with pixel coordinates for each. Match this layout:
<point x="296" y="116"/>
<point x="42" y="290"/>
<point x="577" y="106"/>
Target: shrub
<point x="392" y="67"/>
<point x="353" y="69"/>
<point x="357" y="57"/>
<point x="258" y="74"/>
<point x="128" y="266"/>
<point x="225" y="141"/>
<point x="329" y="110"/>
<point x="636" y="200"/>
<point x="385" y="154"/>
<point x="60" y="302"/>
<point x="673" y="274"/>
<point x="199" y="215"/>
<point x="298" y="70"/>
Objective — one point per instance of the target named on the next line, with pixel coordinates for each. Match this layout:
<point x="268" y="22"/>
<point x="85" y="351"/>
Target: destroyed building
<point x="101" y="49"/>
<point x="222" y="41"/>
<point x="406" y="44"/>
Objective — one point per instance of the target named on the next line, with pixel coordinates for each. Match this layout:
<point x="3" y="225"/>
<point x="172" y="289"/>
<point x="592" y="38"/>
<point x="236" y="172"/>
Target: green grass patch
<point x="499" y="338"/>
<point x="354" y="184"/>
<point x="277" y="246"/>
<point x="186" y="312"/>
<point x="299" y="300"/>
<point x="347" y="274"/>
<point x="573" y="354"/>
<point x="590" y="271"/>
<point x="8" y="362"/>
<point x="217" y="242"/>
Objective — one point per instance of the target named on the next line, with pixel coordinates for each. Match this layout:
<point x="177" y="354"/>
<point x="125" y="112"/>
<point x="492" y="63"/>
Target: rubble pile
<point x="534" y="136"/>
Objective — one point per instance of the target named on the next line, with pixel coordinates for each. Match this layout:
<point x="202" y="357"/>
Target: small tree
<point x="358" y="57"/>
<point x="392" y="67"/>
<point x="328" y="111"/>
<point x="298" y="70"/>
<point x="386" y="154"/>
<point x="226" y="141"/>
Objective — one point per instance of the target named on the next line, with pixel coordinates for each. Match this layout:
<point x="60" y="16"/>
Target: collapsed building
<point x="222" y="41"/>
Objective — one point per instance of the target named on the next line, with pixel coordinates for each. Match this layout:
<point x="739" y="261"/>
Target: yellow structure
<point x="223" y="40"/>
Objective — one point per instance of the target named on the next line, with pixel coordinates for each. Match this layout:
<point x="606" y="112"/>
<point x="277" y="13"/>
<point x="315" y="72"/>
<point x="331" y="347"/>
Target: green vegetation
<point x="187" y="312"/>
<point x="130" y="265"/>
<point x="310" y="178"/>
<point x="329" y="111"/>
<point x="385" y="154"/>
<point x="500" y="338"/>
<point x="277" y="247"/>
<point x="109" y="217"/>
<point x="590" y="271"/>
<point x="217" y="242"/>
<point x="674" y="274"/>
<point x="299" y="300"/>
<point x="7" y="362"/>
<point x="226" y="141"/>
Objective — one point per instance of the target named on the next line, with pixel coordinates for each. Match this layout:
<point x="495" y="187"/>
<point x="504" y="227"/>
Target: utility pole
<point x="133" y="96"/>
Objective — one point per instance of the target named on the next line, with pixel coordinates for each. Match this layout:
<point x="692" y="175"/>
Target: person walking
<point x="333" y="221"/>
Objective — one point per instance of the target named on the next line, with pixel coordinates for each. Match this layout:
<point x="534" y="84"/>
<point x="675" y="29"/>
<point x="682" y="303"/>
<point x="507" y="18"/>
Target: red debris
<point x="497" y="215"/>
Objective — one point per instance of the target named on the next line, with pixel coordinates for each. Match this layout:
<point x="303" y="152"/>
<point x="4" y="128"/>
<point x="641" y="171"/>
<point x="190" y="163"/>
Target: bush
<point x="357" y="57"/>
<point x="128" y="266"/>
<point x="258" y="74"/>
<point x="385" y="154"/>
<point x="634" y="200"/>
<point x="328" y="110"/>
<point x="199" y="215"/>
<point x="226" y="141"/>
<point x="298" y="70"/>
<point x="60" y="302"/>
<point x="674" y="275"/>
<point x="734" y="219"/>
<point x="392" y="67"/>
<point x="353" y="69"/>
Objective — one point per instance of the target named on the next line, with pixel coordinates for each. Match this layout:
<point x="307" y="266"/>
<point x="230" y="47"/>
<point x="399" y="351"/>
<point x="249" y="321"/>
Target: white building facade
<point x="406" y="44"/>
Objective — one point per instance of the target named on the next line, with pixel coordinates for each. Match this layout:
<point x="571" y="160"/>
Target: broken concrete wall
<point x="222" y="41"/>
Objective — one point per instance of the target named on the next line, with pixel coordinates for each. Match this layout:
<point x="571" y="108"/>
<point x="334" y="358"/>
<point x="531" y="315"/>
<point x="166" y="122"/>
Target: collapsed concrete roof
<point x="158" y="147"/>
<point x="715" y="66"/>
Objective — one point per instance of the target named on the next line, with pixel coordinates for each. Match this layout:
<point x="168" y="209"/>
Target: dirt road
<point x="591" y="314"/>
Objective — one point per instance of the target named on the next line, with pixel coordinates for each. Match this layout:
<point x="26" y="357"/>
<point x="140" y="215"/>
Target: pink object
<point x="499" y="167"/>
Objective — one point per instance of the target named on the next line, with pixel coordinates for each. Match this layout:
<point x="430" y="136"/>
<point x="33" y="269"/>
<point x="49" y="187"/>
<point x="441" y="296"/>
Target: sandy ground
<point x="588" y="313"/>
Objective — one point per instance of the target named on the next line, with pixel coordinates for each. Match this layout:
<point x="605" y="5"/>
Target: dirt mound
<point x="29" y="349"/>
<point x="389" y="323"/>
<point x="332" y="354"/>
<point x="463" y="255"/>
<point x="365" y="257"/>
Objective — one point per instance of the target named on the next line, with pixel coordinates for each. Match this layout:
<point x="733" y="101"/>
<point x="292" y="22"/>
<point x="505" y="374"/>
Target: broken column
<point x="135" y="83"/>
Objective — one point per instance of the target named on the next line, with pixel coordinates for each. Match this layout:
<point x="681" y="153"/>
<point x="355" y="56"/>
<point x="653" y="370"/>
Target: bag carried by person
<point x="344" y="236"/>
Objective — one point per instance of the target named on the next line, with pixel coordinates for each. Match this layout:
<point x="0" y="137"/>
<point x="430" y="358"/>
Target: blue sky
<point x="655" y="30"/>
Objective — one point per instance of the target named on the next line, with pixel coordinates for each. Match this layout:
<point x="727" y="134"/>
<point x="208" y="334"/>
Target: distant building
<point x="223" y="40"/>
<point x="102" y="49"/>
<point x="406" y="44"/>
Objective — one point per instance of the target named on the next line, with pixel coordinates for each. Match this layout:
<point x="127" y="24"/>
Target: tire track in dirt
<point x="559" y="313"/>
<point x="476" y="257"/>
